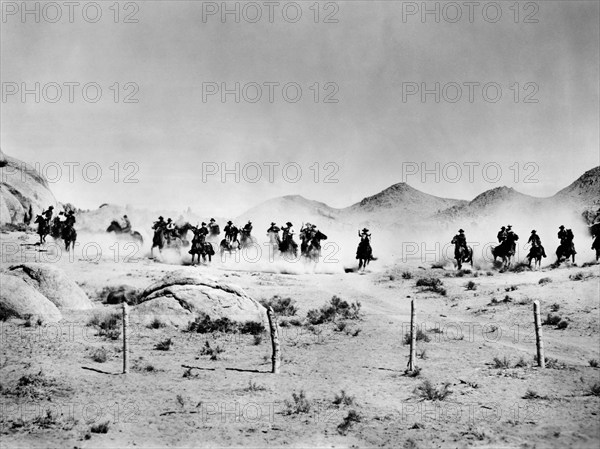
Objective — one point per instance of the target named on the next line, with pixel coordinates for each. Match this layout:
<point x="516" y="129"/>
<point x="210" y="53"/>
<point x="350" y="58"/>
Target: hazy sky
<point x="370" y="57"/>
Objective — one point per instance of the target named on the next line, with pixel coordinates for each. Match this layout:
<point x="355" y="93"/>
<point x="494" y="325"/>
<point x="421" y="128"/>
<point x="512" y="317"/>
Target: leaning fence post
<point x="413" y="338"/>
<point x="276" y="358"/>
<point x="538" y="334"/>
<point x="125" y="346"/>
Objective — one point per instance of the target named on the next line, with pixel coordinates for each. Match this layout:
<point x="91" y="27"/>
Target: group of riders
<point x="61" y="225"/>
<point x="167" y="231"/>
<point x="507" y="240"/>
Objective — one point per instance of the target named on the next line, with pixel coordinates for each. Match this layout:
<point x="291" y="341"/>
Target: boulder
<point x="122" y="293"/>
<point x="182" y="295"/>
<point x="19" y="299"/>
<point x="21" y="186"/>
<point x="54" y="284"/>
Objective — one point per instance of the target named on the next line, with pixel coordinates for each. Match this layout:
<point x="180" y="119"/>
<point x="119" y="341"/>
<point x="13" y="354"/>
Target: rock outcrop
<point x="20" y="299"/>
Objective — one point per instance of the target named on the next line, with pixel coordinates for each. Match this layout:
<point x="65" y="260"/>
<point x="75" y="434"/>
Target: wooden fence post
<point x="125" y="329"/>
<point x="276" y="358"/>
<point x="538" y="334"/>
<point x="413" y="338"/>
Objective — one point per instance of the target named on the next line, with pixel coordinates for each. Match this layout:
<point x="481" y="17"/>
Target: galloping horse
<point x="505" y="251"/>
<point x="246" y="240"/>
<point x="595" y="231"/>
<point x="364" y="253"/>
<point x="69" y="235"/>
<point x="462" y="254"/>
<point x="229" y="246"/>
<point x="176" y="241"/>
<point x="288" y="246"/>
<point x="312" y="248"/>
<point x="564" y="252"/>
<point x="116" y="227"/>
<point x="201" y="247"/>
<point x="535" y="253"/>
<point x="43" y="229"/>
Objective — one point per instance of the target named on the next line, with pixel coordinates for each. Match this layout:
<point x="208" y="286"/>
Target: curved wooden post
<point x="413" y="338"/>
<point x="538" y="335"/>
<point x="125" y="345"/>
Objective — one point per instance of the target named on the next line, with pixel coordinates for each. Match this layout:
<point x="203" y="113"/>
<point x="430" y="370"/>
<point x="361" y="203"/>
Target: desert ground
<point x="476" y="349"/>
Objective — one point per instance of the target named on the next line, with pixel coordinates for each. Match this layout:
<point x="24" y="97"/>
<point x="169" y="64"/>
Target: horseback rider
<point x="569" y="241"/>
<point x="274" y="229"/>
<point x="364" y="235"/>
<point x="170" y="229"/>
<point x="231" y="232"/>
<point x="200" y="234"/>
<point x="562" y="234"/>
<point x="459" y="241"/>
<point x="213" y="227"/>
<point x="511" y="238"/>
<point x="126" y="226"/>
<point x="365" y="239"/>
<point x="70" y="220"/>
<point x="57" y="224"/>
<point x="287" y="232"/>
<point x="160" y="224"/>
<point x="535" y="241"/>
<point x="501" y="234"/>
<point x="247" y="229"/>
<point x="47" y="214"/>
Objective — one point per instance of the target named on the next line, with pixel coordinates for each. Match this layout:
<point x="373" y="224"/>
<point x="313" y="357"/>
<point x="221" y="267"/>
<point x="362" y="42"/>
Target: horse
<point x="505" y="251"/>
<point x="596" y="246"/>
<point x="288" y="246"/>
<point x="229" y="246"/>
<point x="160" y="240"/>
<point x="364" y="254"/>
<point x="463" y="255"/>
<point x="246" y="240"/>
<point x="312" y="248"/>
<point x="116" y="227"/>
<point x="201" y="247"/>
<point x="564" y="252"/>
<point x="69" y="235"/>
<point x="535" y="254"/>
<point x="42" y="229"/>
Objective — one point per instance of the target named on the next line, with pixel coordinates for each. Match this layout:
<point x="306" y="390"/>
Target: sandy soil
<point x="235" y="401"/>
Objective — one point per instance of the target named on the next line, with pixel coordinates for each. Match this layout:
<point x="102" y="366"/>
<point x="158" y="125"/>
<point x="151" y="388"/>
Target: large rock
<point x="18" y="298"/>
<point x="182" y="295"/>
<point x="21" y="186"/>
<point x="54" y="284"/>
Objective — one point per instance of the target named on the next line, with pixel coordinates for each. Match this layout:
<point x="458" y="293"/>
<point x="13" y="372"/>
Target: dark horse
<point x="505" y="251"/>
<point x="564" y="252"/>
<point x="462" y="254"/>
<point x="116" y="227"/>
<point x="535" y="253"/>
<point x="288" y="246"/>
<point x="364" y="253"/>
<point x="43" y="229"/>
<point x="200" y="247"/>
<point x="176" y="241"/>
<point x="229" y="246"/>
<point x="69" y="235"/>
<point x="312" y="248"/>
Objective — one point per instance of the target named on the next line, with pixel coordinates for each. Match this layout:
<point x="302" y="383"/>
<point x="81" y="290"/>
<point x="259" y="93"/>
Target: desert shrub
<point x="100" y="428"/>
<point x="551" y="320"/>
<point x="252" y="328"/>
<point x="555" y="307"/>
<point x="562" y="325"/>
<point x="100" y="355"/>
<point x="109" y="325"/>
<point x="511" y="288"/>
<point x="432" y="284"/>
<point x="501" y="363"/>
<point x="351" y="418"/>
<point x="203" y="324"/>
<point x="164" y="345"/>
<point x="207" y="349"/>
<point x="507" y="299"/>
<point x="281" y="306"/>
<point x="580" y="276"/>
<point x="489" y="273"/>
<point x="471" y="285"/>
<point x="420" y="336"/>
<point x="34" y="386"/>
<point x="156" y="324"/>
<point x="595" y="389"/>
<point x="5" y="313"/>
<point x="429" y="392"/>
<point x="296" y="322"/>
<point x="532" y="394"/>
<point x="522" y="363"/>
<point x="343" y="399"/>
<point x="551" y="363"/>
<point x="337" y="308"/>
<point x="593" y="363"/>
<point x="298" y="404"/>
<point x="253" y="386"/>
<point x="414" y="373"/>
<point x="422" y="354"/>
<point x="407" y="275"/>
<point x="544" y="281"/>
<point x="258" y="339"/>
<point x="340" y="326"/>
<point x="283" y="323"/>
<point x="355" y="332"/>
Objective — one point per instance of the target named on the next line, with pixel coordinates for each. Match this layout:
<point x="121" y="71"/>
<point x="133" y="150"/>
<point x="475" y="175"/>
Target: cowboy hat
<point x="203" y="224"/>
<point x="460" y="230"/>
<point x="230" y="222"/>
<point x="212" y="219"/>
<point x="161" y="218"/>
<point x="289" y="224"/>
<point x="533" y="231"/>
<point x="561" y="227"/>
<point x="365" y="230"/>
<point x="272" y="223"/>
